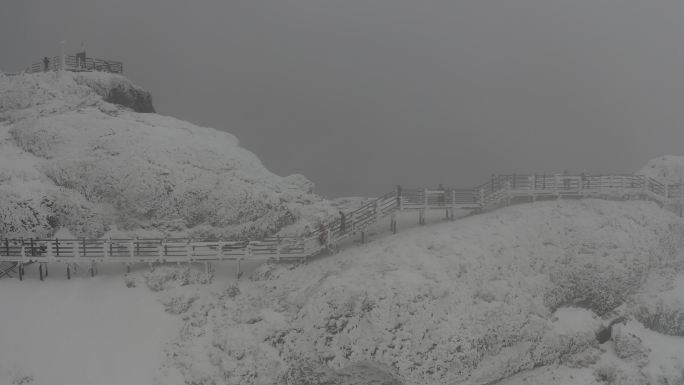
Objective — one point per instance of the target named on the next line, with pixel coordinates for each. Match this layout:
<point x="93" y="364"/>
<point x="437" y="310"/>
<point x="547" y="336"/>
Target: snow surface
<point x="475" y="302"/>
<point x="83" y="331"/>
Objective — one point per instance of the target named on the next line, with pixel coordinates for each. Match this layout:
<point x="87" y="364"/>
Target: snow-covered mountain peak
<point x="69" y="158"/>
<point x="28" y="95"/>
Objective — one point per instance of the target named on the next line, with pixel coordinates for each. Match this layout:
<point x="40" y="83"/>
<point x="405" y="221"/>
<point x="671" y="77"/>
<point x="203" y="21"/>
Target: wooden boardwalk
<point x="499" y="191"/>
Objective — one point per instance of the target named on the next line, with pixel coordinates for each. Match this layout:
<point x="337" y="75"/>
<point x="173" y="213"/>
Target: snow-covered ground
<point x="520" y="295"/>
<point x="514" y="296"/>
<point x="83" y="331"/>
<point x="467" y="302"/>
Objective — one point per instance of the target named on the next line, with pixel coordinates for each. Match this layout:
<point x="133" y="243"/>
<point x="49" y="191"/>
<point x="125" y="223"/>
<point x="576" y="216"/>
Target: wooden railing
<point x="499" y="190"/>
<point x="72" y="63"/>
<point x="146" y="250"/>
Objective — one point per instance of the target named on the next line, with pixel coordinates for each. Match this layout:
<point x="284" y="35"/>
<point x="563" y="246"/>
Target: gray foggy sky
<point x="359" y="95"/>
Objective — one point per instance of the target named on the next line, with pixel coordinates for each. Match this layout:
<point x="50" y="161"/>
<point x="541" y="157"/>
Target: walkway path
<point x="498" y="191"/>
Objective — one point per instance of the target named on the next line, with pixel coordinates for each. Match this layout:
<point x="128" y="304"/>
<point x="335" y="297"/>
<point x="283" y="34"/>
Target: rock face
<point x="69" y="158"/>
<point x="125" y="94"/>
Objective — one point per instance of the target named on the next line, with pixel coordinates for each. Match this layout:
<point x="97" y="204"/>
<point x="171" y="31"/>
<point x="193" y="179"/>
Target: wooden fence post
<point x="76" y="250"/>
<point x="106" y="249"/>
<point x="453" y="204"/>
<point x="221" y="254"/>
<point x="131" y="249"/>
<point x="425" y="199"/>
<point x="188" y="250"/>
<point x="681" y="198"/>
<point x="507" y="191"/>
<point x="376" y="212"/>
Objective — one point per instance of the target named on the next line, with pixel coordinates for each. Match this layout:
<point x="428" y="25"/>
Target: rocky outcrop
<point x="137" y="100"/>
<point x="118" y="90"/>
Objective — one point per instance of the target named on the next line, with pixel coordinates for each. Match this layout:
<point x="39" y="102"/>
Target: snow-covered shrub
<point x="663" y="317"/>
<point x="69" y="210"/>
<point x="309" y="373"/>
<point x="607" y="374"/>
<point x="600" y="289"/>
<point x="614" y="375"/>
<point x="232" y="291"/>
<point x="167" y="277"/>
<point x="130" y="281"/>
<point x="22" y="379"/>
<point x="306" y="372"/>
<point x="178" y="303"/>
<point x="300" y="182"/>
<point x="20" y="217"/>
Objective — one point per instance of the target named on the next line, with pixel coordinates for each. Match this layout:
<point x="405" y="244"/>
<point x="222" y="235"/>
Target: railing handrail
<point x="487" y="195"/>
<point x="72" y="63"/>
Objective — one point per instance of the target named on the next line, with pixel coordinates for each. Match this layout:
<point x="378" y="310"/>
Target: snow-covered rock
<point x="68" y="158"/>
<point x="117" y="89"/>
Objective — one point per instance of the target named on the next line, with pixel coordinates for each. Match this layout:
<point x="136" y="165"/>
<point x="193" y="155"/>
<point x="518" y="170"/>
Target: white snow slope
<point x="519" y="290"/>
<point x="70" y="159"/>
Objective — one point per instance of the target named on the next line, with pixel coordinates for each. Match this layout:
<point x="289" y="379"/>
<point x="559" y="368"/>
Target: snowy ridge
<point x="70" y="159"/>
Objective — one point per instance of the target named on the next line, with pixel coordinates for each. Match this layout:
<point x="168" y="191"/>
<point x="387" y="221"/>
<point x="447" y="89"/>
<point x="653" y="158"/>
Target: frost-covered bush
<point x="167" y="277"/>
<point x="40" y="214"/>
<point x="178" y="303"/>
<point x="79" y="216"/>
<point x="592" y="288"/>
<point x="468" y="302"/>
<point x="20" y="217"/>
<point x="663" y="317"/>
<point x="613" y="375"/>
